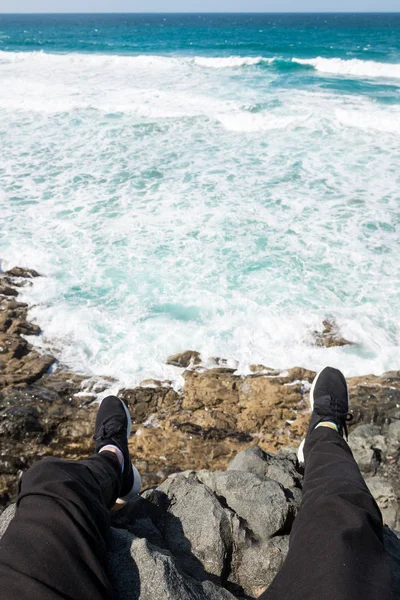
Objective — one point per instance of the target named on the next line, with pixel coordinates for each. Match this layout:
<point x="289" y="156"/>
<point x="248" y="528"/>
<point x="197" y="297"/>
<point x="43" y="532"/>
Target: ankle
<point x="115" y="450"/>
<point x="329" y="424"/>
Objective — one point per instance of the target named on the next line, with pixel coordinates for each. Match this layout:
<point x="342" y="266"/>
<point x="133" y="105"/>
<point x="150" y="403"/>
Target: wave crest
<point x="354" y="67"/>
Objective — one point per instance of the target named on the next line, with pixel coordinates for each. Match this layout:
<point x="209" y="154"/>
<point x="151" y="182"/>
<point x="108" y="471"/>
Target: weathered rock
<point x="197" y="530"/>
<point x="260" y="564"/>
<point x="368" y="446"/>
<point x="20" y="272"/>
<point x="144" y="401"/>
<point x="7" y="290"/>
<point x="330" y="335"/>
<point x="393" y="438"/>
<point x="189" y="358"/>
<point x="27" y="369"/>
<point x="386" y="499"/>
<point x="141" y="570"/>
<point x="255" y="460"/>
<point x="261" y="369"/>
<point x="374" y="399"/>
<point x="259" y="502"/>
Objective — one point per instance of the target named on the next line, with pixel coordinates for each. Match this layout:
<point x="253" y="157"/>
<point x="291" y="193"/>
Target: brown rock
<point x="186" y="359"/>
<point x="7" y="290"/>
<point x="209" y="388"/>
<point x="330" y="335"/>
<point x="144" y="401"/>
<point x="20" y="272"/>
<point x="26" y="370"/>
<point x="264" y="370"/>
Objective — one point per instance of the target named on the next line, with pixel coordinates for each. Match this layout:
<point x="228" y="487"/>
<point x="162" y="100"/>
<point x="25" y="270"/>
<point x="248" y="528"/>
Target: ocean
<point x="215" y="182"/>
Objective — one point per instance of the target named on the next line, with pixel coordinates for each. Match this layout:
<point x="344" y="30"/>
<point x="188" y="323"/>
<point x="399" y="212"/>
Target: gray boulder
<point x="260" y="503"/>
<point x="197" y="529"/>
<point x="368" y="445"/>
<point x="278" y="467"/>
<point x="393" y="436"/>
<point x="260" y="564"/>
<point x="386" y="499"/>
<point x="141" y="571"/>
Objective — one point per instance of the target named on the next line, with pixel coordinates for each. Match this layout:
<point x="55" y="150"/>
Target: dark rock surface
<point x="208" y="535"/>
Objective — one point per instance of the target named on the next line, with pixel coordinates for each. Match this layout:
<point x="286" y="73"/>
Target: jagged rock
<point x="261" y="369"/>
<point x="386" y="499"/>
<point x="393" y="438"/>
<point x="260" y="564"/>
<point x="375" y="399"/>
<point x="140" y="570"/>
<point x="255" y="460"/>
<point x="208" y="389"/>
<point x="330" y="335"/>
<point x="189" y="358"/>
<point x="144" y="401"/>
<point x="368" y="446"/>
<point x="20" y="272"/>
<point x="197" y="530"/>
<point x="260" y="502"/>
<point x="5" y="289"/>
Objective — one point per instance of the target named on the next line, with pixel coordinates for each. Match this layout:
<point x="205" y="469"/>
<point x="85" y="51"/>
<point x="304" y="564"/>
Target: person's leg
<point x="55" y="547"/>
<point x="336" y="547"/>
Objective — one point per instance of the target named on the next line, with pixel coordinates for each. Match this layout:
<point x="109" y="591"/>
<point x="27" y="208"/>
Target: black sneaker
<point x="113" y="426"/>
<point x="329" y="400"/>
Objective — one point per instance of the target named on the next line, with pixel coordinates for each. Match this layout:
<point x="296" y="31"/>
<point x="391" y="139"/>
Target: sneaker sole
<point x="300" y="451"/>
<point x="137" y="480"/>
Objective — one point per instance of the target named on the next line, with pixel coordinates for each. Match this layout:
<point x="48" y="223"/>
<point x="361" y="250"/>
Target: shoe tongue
<point x="323" y="405"/>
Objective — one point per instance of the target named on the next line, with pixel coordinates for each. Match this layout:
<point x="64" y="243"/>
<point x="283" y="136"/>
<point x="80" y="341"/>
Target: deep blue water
<point x="365" y="36"/>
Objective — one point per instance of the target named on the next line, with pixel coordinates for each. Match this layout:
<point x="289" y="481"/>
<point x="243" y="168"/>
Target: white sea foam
<point x="248" y="122"/>
<point x="230" y="61"/>
<point x="171" y="207"/>
<point x="375" y="119"/>
<point x="353" y="67"/>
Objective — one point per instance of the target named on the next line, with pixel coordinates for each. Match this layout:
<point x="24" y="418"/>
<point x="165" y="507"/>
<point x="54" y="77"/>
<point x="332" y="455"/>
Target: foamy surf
<point x="203" y="199"/>
<point x="353" y="67"/>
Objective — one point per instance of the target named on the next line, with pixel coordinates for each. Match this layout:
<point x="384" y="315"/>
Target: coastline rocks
<point x="216" y="415"/>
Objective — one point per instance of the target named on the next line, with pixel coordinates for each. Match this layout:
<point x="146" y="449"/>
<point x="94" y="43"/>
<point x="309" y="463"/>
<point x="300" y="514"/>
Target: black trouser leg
<point x="55" y="545"/>
<point x="336" y="549"/>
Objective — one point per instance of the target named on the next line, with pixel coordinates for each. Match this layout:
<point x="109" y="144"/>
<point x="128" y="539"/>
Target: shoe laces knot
<point x="107" y="431"/>
<point x="333" y="411"/>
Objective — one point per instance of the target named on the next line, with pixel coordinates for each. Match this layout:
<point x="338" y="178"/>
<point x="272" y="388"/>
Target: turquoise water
<point x="215" y="182"/>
